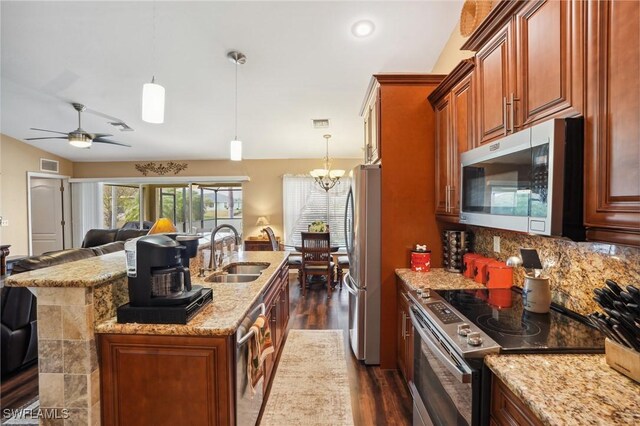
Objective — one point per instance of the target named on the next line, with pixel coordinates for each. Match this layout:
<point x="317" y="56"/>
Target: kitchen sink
<point x="245" y="269"/>
<point x="232" y="278"/>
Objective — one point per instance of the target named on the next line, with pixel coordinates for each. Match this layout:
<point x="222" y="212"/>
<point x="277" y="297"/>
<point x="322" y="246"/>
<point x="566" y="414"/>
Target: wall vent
<point x="321" y="123"/>
<point x="49" y="165"/>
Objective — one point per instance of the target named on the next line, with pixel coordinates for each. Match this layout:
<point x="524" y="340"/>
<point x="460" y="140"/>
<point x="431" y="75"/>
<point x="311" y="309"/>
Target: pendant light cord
<point x="236" y="130"/>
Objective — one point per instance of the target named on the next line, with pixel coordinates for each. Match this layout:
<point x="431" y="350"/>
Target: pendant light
<point x="235" y="146"/>
<point x="153" y="93"/>
<point x="326" y="177"/>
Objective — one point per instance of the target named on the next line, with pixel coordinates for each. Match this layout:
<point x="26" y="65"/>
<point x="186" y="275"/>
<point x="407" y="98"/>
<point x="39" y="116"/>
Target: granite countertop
<point x="89" y="272"/>
<point x="437" y="279"/>
<point x="231" y="302"/>
<point x="570" y="389"/>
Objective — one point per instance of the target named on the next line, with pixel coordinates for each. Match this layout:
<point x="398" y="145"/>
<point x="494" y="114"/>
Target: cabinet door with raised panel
<point x="462" y="138"/>
<point x="494" y="73"/>
<point x="612" y="156"/>
<point x="550" y="52"/>
<point x="443" y="138"/>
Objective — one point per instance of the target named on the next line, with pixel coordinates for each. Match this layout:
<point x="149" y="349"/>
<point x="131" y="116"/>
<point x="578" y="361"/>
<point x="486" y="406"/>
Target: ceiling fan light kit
<point x="235" y="146"/>
<point x="153" y="102"/>
<point x="79" y="140"/>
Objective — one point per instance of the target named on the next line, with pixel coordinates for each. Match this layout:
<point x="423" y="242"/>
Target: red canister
<point x="480" y="269"/>
<point x="467" y="264"/>
<point x="499" y="275"/>
<point x="421" y="260"/>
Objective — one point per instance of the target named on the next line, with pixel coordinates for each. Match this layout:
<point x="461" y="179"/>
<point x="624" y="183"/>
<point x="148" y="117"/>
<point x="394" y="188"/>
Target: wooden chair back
<point x="316" y="249"/>
<point x="272" y="239"/>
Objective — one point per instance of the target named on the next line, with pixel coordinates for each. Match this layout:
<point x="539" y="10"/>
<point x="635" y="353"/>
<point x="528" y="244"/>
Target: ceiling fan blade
<point x="52" y="131"/>
<point x="98" y="135"/>
<point x="110" y="142"/>
<point x="49" y="137"/>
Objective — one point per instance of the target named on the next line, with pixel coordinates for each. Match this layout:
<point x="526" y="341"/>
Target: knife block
<point x="622" y="359"/>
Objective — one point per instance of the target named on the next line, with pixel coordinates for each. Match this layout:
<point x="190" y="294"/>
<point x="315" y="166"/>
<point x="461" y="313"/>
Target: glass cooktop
<point x="501" y="314"/>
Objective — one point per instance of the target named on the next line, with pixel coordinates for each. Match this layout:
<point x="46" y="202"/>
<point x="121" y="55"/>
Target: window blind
<point x="305" y="202"/>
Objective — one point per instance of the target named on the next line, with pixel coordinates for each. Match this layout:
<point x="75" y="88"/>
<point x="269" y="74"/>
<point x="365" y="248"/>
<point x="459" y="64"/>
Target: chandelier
<point x="326" y="177"/>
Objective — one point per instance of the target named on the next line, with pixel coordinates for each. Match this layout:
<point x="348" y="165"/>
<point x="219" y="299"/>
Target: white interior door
<point x="47" y="228"/>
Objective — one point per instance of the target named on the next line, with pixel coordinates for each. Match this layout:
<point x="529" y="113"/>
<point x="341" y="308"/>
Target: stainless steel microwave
<point x="530" y="181"/>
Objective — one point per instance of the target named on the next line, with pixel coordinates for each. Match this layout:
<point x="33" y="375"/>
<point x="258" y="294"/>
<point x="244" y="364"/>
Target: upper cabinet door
<point x="550" y="51"/>
<point x="462" y="140"/>
<point x="612" y="169"/>
<point x="494" y="74"/>
<point x="443" y="138"/>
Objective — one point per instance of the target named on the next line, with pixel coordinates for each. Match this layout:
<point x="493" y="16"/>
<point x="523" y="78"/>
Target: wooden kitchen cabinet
<point x="507" y="409"/>
<point x="550" y="61"/>
<point x="529" y="66"/>
<point x="180" y="377"/>
<point x="612" y="147"/>
<point x="405" y="333"/>
<point x="276" y="300"/>
<point x="453" y="110"/>
<point x="495" y="82"/>
<point x="371" y="114"/>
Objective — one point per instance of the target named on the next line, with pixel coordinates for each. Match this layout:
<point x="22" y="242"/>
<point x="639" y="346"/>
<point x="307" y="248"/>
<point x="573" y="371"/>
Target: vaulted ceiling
<point x="303" y="62"/>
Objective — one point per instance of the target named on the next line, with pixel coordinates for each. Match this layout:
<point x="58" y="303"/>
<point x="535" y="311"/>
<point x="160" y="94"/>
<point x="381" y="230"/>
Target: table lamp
<point x="162" y="225"/>
<point x="262" y="221"/>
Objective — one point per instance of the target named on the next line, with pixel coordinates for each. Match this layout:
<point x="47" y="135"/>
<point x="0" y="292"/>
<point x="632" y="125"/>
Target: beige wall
<point x="16" y="159"/>
<point x="451" y="55"/>
<point x="262" y="194"/>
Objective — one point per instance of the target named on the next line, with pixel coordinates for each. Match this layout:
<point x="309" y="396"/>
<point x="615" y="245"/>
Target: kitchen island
<point x="77" y="302"/>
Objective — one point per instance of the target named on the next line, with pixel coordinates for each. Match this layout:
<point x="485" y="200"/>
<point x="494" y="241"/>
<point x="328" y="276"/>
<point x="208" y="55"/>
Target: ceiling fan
<point x="79" y="138"/>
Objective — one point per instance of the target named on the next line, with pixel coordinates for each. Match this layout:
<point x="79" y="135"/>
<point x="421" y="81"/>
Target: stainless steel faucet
<point x="214" y="263"/>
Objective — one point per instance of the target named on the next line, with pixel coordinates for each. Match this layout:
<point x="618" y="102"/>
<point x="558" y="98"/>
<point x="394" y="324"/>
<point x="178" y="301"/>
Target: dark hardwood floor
<point x="20" y="388"/>
<point x="378" y="397"/>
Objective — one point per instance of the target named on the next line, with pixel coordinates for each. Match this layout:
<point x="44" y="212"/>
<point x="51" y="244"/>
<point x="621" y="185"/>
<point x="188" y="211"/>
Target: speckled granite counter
<point x="231" y="302"/>
<point x="570" y="389"/>
<point x="89" y="272"/>
<point x="437" y="279"/>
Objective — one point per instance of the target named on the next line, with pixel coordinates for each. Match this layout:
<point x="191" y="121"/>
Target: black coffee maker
<point x="160" y="290"/>
<point x="161" y="276"/>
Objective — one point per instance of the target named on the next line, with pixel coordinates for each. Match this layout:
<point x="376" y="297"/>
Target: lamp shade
<point x="336" y="173"/>
<point x="153" y="103"/>
<point x="162" y="225"/>
<point x="236" y="150"/>
<point x="262" y="221"/>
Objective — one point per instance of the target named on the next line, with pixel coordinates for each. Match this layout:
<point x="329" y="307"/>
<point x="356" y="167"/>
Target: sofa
<point x="18" y="325"/>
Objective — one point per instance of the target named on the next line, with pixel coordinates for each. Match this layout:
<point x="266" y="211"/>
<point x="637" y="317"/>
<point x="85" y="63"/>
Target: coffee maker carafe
<point x="158" y="272"/>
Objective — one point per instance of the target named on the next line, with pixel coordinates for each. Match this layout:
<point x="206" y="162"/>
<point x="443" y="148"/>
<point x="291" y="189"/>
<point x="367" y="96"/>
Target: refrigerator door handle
<point x="346" y="280"/>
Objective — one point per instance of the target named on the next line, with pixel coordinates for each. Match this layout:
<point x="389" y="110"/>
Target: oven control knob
<point x="474" y="339"/>
<point x="426" y="293"/>
<point x="464" y="329"/>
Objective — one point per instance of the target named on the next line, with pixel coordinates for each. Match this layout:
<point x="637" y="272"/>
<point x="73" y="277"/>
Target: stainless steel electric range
<point x="455" y="329"/>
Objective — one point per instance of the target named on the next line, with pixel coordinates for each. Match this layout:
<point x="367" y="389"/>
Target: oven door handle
<point x="461" y="372"/>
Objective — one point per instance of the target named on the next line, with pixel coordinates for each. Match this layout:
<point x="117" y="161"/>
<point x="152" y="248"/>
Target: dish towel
<point x="259" y="347"/>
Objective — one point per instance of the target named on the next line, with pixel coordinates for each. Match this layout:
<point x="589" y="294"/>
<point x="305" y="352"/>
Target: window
<point x="121" y="204"/>
<point x="304" y="202"/>
<point x="211" y="205"/>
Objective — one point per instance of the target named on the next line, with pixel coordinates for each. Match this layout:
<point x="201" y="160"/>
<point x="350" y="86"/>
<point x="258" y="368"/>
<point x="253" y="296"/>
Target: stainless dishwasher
<point x="248" y="404"/>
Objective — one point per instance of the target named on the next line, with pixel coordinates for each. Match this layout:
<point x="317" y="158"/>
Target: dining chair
<point x="294" y="261"/>
<point x="316" y="258"/>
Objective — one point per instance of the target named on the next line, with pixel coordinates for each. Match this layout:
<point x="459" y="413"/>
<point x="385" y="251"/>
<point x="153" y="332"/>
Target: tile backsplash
<point x="575" y="269"/>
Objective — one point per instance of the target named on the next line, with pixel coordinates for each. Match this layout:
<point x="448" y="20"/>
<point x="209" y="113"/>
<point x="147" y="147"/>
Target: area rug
<point x="311" y="384"/>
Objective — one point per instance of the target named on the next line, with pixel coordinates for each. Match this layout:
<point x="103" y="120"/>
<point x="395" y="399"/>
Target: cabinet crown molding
<point x="500" y="14"/>
<point x="458" y="73"/>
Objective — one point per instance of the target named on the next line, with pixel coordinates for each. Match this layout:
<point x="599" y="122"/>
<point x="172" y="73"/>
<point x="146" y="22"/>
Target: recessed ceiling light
<point x="363" y="28"/>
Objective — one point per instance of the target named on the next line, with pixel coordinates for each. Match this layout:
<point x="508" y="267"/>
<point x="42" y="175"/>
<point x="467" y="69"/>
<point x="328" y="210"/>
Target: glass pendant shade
<point x="336" y="173"/>
<point x="236" y="150"/>
<point x="153" y="103"/>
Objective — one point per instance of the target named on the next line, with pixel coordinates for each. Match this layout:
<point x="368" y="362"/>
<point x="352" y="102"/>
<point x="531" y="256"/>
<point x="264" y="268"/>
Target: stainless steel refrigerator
<point x="362" y="232"/>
